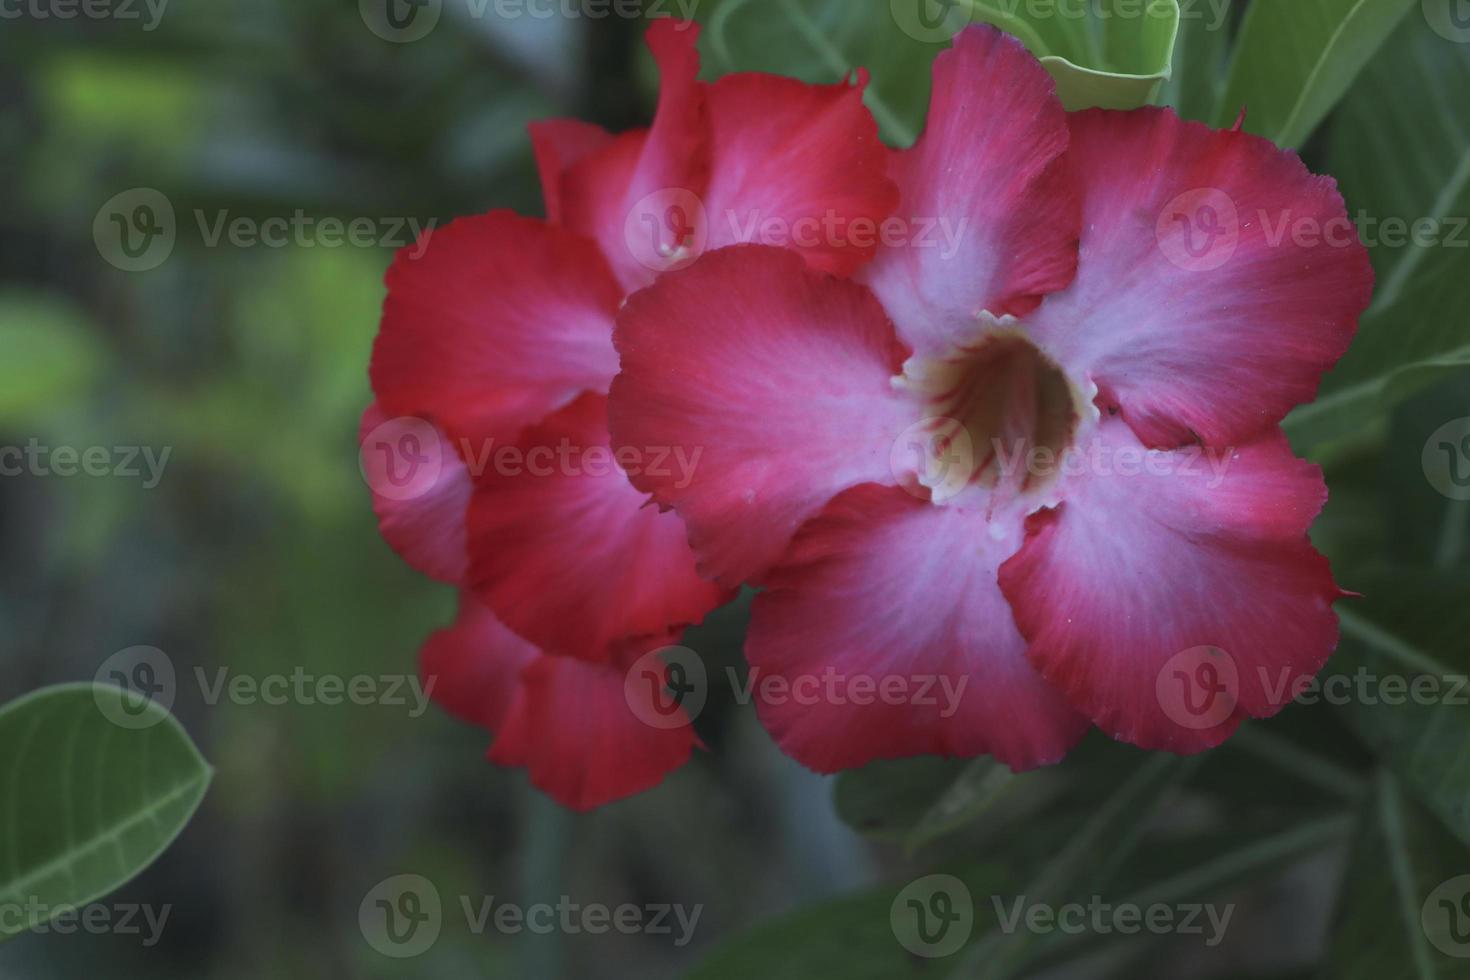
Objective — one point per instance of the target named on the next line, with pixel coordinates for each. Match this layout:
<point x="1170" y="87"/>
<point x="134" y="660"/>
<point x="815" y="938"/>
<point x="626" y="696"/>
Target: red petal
<point x="474" y="666"/>
<point x="573" y="727"/>
<point x="890" y="594"/>
<point x="1128" y="591"/>
<point x="420" y="514"/>
<point x="993" y="213"/>
<point x="797" y="165"/>
<point x="564" y="549"/>
<point x="561" y="144"/>
<point x="775" y="379"/>
<point x="611" y="193"/>
<point x="1202" y="306"/>
<point x="499" y="322"/>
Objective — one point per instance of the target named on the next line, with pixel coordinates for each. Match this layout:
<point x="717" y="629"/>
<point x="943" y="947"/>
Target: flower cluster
<point x="815" y="381"/>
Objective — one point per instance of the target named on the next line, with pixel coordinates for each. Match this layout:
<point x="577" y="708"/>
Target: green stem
<point x="542" y="881"/>
<point x="1290" y="757"/>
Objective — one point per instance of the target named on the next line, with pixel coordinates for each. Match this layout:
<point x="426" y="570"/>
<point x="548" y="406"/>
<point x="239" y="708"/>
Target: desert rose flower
<point x="492" y="367"/>
<point x="1045" y="463"/>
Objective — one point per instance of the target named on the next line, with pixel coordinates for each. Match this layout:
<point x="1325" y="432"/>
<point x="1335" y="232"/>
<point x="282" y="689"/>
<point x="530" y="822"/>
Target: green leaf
<point x="47" y="354"/>
<point x="821" y="41"/>
<point x="887" y="799"/>
<point x="1100" y="836"/>
<point x="1197" y="81"/>
<point x="1192" y="869"/>
<point x="846" y="939"/>
<point x="855" y="937"/>
<point x="980" y="785"/>
<point x="916" y="801"/>
<point x="1421" y="525"/>
<point x="1112" y="53"/>
<point x="1295" y="59"/>
<point x="1093" y="853"/>
<point x="1401" y="673"/>
<point x="1402" y="866"/>
<point x="1402" y="161"/>
<point x="97" y="783"/>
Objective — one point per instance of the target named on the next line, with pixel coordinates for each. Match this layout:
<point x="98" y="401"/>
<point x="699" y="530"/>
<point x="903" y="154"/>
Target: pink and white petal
<point x="883" y="634"/>
<point x="574" y="728"/>
<point x="473" y="668"/>
<point x="611" y="193"/>
<point x="500" y="321"/>
<point x="990" y="207"/>
<point x="421" y="516"/>
<point x="1171" y="594"/>
<point x="569" y="554"/>
<point x="797" y="165"/>
<point x="773" y="382"/>
<point x="559" y="145"/>
<point x="1218" y="278"/>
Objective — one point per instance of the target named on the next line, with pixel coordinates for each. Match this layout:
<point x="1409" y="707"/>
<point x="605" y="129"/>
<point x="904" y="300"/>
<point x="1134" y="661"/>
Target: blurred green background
<point x="257" y="550"/>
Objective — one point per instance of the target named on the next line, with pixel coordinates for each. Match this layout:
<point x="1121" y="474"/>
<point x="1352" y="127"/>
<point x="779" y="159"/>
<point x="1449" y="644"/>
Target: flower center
<point x="1000" y="414"/>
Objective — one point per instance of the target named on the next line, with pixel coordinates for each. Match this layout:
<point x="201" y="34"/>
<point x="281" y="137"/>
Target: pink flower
<point x="1093" y="372"/>
<point x="492" y="367"/>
